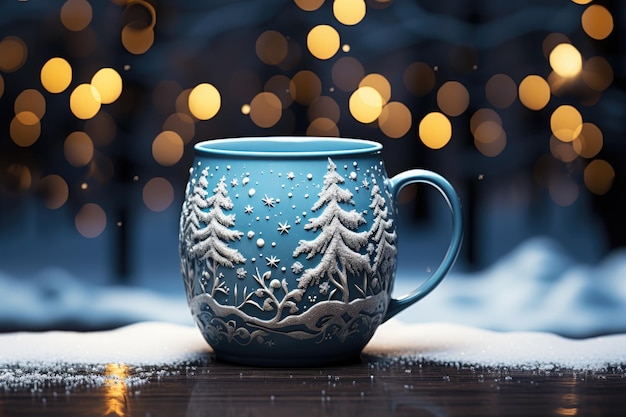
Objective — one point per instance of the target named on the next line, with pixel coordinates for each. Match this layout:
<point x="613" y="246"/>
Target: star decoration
<point x="268" y="201"/>
<point x="272" y="261"/>
<point x="283" y="227"/>
<point x="248" y="209"/>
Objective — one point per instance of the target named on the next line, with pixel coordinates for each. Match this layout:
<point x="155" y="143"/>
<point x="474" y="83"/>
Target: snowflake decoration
<point x="290" y="175"/>
<point x="272" y="261"/>
<point x="268" y="201"/>
<point x="297" y="267"/>
<point x="366" y="184"/>
<point x="283" y="227"/>
<point x="241" y="273"/>
<point x="234" y="182"/>
<point x="324" y="287"/>
<point x="248" y="209"/>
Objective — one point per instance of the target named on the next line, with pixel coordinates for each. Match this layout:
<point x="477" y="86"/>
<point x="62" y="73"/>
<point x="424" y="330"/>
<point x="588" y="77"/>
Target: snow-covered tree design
<point x="211" y="241"/>
<point x="339" y="242"/>
<point x="382" y="233"/>
<point x="195" y="202"/>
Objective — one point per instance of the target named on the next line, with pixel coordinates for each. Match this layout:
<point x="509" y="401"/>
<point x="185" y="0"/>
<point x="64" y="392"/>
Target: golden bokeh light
<point x="324" y="107"/>
<point x="323" y="41"/>
<point x="419" y="79"/>
<point x="54" y="190"/>
<point x="590" y="141"/>
<point x="597" y="22"/>
<point x="305" y="86"/>
<point x="56" y="75"/>
<point x="566" y="60"/>
<point x="349" y="12"/>
<point x="204" y="101"/>
<point x="279" y="86"/>
<point x="101" y="128"/>
<point x="484" y="115"/>
<point x="566" y="123"/>
<point x="395" y="119"/>
<point x="25" y="134"/>
<point x="158" y="194"/>
<point x="27" y="118"/>
<point x="489" y="136"/>
<point x="582" y="1"/>
<point x="137" y="41"/>
<point x="76" y="15"/>
<point x="453" y="98"/>
<point x="30" y="101"/>
<point x="85" y="101"/>
<point x="138" y="34"/>
<point x="534" y="92"/>
<point x="78" y="149"/>
<point x="265" y="109"/>
<point x="346" y="73"/>
<point x="13" y="53"/>
<point x="168" y="148"/>
<point x="108" y="82"/>
<point x="309" y="5"/>
<point x="599" y="176"/>
<point x="501" y="91"/>
<point x="322" y="126"/>
<point x="91" y="220"/>
<point x="1" y="85"/>
<point x="271" y="47"/>
<point x="379" y="83"/>
<point x="19" y="176"/>
<point x="597" y="73"/>
<point x="182" y="124"/>
<point x="563" y="151"/>
<point x="366" y="104"/>
<point x="245" y="109"/>
<point x="551" y="41"/>
<point x="435" y="130"/>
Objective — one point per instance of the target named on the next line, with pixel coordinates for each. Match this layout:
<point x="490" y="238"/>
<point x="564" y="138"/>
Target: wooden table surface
<point x="373" y="386"/>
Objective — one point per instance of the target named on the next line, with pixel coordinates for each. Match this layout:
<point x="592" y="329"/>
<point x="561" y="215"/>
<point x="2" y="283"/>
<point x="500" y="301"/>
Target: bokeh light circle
<point x="204" y="101"/>
<point x="85" y="101"/>
<point x="366" y="104"/>
<point x="56" y="75"/>
<point x="91" y="220"/>
<point x="323" y="41"/>
<point x="158" y="194"/>
<point x="435" y="130"/>
<point x="108" y="82"/>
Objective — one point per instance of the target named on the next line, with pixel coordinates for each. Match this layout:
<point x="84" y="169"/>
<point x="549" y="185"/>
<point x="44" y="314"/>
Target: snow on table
<point x="69" y="359"/>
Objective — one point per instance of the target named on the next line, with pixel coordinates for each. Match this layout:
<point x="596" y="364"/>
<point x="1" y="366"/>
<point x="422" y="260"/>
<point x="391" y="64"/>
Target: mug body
<point x="288" y="248"/>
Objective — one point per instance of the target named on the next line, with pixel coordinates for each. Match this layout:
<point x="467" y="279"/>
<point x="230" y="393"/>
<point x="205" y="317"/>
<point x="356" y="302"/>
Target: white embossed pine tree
<point x="189" y="225"/>
<point x="212" y="240"/>
<point x="338" y="242"/>
<point x="382" y="234"/>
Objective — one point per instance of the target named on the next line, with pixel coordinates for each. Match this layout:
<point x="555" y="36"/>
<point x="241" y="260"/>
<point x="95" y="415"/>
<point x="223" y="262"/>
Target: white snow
<point x="509" y="315"/>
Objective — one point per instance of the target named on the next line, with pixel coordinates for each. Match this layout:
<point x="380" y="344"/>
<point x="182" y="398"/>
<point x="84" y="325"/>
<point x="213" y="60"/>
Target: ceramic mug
<point x="288" y="247"/>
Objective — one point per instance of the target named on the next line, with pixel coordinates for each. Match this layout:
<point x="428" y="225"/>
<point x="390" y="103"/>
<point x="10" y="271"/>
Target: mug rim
<point x="287" y="146"/>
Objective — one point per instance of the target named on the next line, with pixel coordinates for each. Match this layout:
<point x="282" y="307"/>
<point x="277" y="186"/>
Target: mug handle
<point x="398" y="182"/>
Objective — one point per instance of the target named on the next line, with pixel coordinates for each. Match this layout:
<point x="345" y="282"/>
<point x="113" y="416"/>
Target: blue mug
<point x="288" y="247"/>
